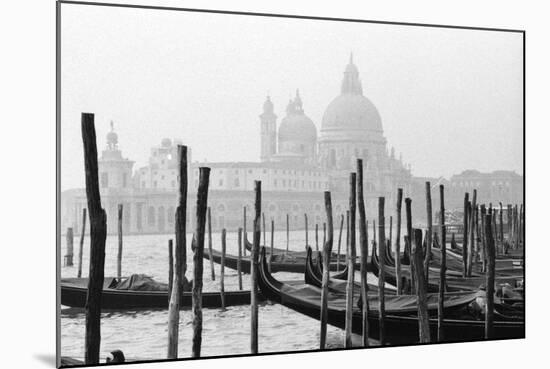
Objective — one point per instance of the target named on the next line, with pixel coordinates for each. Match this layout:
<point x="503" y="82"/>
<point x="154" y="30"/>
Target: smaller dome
<point x="297" y="127"/>
<point x="166" y="142"/>
<point x="268" y="105"/>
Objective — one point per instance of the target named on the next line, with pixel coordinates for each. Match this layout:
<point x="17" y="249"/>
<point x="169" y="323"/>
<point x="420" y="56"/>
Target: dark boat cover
<point x="141" y="282"/>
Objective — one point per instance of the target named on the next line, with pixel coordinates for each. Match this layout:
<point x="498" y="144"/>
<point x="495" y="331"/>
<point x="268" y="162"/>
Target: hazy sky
<point x="449" y="99"/>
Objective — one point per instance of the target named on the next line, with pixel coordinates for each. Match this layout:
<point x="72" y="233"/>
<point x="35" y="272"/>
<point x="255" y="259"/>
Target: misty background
<point x="449" y="99"/>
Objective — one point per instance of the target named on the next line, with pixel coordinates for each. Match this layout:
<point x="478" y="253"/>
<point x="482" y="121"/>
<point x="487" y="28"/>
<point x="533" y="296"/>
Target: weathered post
<point x="244" y="230"/>
<point x="254" y="268"/>
<point x="263" y="227"/>
<point x="170" y="268"/>
<point x="305" y="220"/>
<point x="391" y="230"/>
<point x="465" y="236"/>
<point x="98" y="235"/>
<point x="443" y="267"/>
<point x="239" y="266"/>
<point x="408" y="241"/>
<point x="381" y="273"/>
<point x="196" y="304"/>
<point x="327" y="250"/>
<point x="339" y="242"/>
<point x="119" y="254"/>
<point x="483" y="239"/>
<point x="421" y="290"/>
<point x="81" y="246"/>
<point x="364" y="244"/>
<point x="180" y="256"/>
<point x="490" y="277"/>
<point x="222" y="270"/>
<point x="70" y="247"/>
<point x="272" y="243"/>
<point x="287" y="232"/>
<point x="471" y="233"/>
<point x="429" y="230"/>
<point x="351" y="262"/>
<point x="509" y="224"/>
<point x="212" y="270"/>
<point x="316" y="237"/>
<point x="501" y="229"/>
<point x="398" y="242"/>
<point x="324" y="233"/>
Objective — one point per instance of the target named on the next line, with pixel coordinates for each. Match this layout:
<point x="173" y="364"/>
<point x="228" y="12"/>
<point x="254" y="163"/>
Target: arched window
<point x="236" y="182"/>
<point x="161" y="219"/>
<point x="151" y="216"/>
<point x="332" y="158"/>
<point x="221" y="207"/>
<point x="171" y="215"/>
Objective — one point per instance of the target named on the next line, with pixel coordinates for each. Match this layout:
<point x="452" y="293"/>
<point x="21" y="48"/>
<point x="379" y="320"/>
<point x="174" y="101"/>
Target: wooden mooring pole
<point x="471" y="230"/>
<point x="324" y="233"/>
<point x="272" y="243"/>
<point x="339" y="242"/>
<point x="98" y="235"/>
<point x="212" y="270"/>
<point x="364" y="244"/>
<point x="170" y="268"/>
<point x="316" y="237"/>
<point x="408" y="242"/>
<point x="70" y="248"/>
<point x="381" y="273"/>
<point x="305" y="222"/>
<point x="421" y="288"/>
<point x="490" y="280"/>
<point x="196" y="302"/>
<point x="465" y="236"/>
<point x="263" y="227"/>
<point x="351" y="261"/>
<point x="429" y="233"/>
<point x="119" y="254"/>
<point x="287" y="232"/>
<point x="245" y="238"/>
<point x="327" y="250"/>
<point x="239" y="264"/>
<point x="254" y="268"/>
<point x="81" y="245"/>
<point x="399" y="283"/>
<point x="180" y="256"/>
<point x="443" y="266"/>
<point x="222" y="270"/>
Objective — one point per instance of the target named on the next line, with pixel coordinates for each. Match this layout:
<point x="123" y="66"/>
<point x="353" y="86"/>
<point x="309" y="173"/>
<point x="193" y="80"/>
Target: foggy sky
<point x="449" y="99"/>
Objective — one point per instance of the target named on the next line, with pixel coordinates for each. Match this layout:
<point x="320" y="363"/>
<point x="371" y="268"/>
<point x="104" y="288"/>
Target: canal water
<point x="143" y="334"/>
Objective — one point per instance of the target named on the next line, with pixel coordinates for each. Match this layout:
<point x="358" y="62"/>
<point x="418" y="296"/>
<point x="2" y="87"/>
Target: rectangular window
<point x="173" y="183"/>
<point x="124" y="180"/>
<point x="221" y="182"/>
<point x="155" y="184"/>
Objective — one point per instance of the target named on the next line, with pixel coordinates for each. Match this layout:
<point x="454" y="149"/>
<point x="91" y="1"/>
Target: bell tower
<point x="268" y="131"/>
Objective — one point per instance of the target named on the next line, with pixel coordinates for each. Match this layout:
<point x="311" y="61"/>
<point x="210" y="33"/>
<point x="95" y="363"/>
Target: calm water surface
<point x="143" y="334"/>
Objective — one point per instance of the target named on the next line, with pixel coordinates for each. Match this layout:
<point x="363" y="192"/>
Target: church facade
<point x="297" y="164"/>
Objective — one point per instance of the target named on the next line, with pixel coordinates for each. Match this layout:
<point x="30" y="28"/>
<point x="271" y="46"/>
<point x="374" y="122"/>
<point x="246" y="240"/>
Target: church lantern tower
<point x="268" y="131"/>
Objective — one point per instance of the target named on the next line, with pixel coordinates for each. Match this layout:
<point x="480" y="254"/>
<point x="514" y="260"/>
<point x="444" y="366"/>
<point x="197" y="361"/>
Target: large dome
<point x="351" y="112"/>
<point x="351" y="115"/>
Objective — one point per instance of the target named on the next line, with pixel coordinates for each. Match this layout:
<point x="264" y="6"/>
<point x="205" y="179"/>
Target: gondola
<point x="74" y="290"/>
<point x="454" y="284"/>
<point x="399" y="329"/>
<point x="279" y="263"/>
<point x="277" y="251"/>
<point x="504" y="267"/>
<point x="318" y="266"/>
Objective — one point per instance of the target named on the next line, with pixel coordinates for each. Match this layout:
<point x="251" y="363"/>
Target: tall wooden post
<point x="443" y="267"/>
<point x="471" y="235"/>
<point x="465" y="236"/>
<point x="272" y="243"/>
<point x="263" y="227"/>
<point x="408" y="241"/>
<point x="98" y="235"/>
<point x="490" y="278"/>
<point x="327" y="250"/>
<point x="364" y="244"/>
<point x="324" y="233"/>
<point x="316" y="237"/>
<point x="429" y="234"/>
<point x="180" y="256"/>
<point x="196" y="303"/>
<point x="119" y="254"/>
<point x="381" y="274"/>
<point x="398" y="242"/>
<point x="239" y="266"/>
<point x="421" y="288"/>
<point x="501" y="229"/>
<point x="222" y="270"/>
<point x="339" y="242"/>
<point x="81" y="247"/>
<point x="254" y="268"/>
<point x="305" y="221"/>
<point x="391" y="230"/>
<point x="351" y="262"/>
<point x="212" y="269"/>
<point x="244" y="230"/>
<point x="170" y="268"/>
<point x="287" y="232"/>
<point x="483" y="239"/>
<point x="70" y="248"/>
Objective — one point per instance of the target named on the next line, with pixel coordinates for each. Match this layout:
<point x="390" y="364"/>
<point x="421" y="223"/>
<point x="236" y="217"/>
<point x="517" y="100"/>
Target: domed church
<point x="351" y="128"/>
